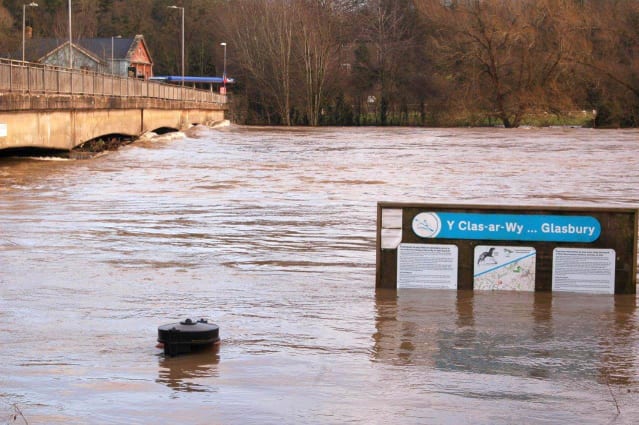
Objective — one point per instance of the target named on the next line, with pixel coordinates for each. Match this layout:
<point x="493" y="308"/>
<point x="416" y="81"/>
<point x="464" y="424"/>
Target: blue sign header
<point x="509" y="227"/>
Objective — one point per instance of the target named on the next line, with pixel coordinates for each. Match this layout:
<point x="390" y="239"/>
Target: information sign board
<point x="482" y="247"/>
<point x="427" y="266"/>
<point x="504" y="268"/>
<point x="583" y="270"/>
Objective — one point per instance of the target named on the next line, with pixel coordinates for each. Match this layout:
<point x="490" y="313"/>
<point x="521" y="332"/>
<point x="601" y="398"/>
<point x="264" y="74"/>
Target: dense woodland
<point x="382" y="62"/>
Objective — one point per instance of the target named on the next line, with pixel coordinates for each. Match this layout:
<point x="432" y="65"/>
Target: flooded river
<point x="270" y="233"/>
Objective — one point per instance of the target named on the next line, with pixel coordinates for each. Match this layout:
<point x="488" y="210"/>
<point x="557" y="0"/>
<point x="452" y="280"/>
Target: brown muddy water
<point x="270" y="233"/>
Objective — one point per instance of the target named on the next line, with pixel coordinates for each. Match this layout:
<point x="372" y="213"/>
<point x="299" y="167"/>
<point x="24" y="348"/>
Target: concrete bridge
<point x="60" y="108"/>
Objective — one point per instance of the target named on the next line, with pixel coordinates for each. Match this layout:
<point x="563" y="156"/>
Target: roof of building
<point x="37" y="48"/>
<point x="102" y="46"/>
<point x="49" y="46"/>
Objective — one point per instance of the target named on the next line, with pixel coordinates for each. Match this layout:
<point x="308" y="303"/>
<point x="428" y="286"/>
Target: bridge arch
<point x="66" y="129"/>
<point x="164" y="130"/>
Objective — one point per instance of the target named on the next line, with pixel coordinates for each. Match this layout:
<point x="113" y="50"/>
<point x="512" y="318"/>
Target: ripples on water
<point x="270" y="233"/>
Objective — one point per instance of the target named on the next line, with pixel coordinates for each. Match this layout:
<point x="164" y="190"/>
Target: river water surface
<point x="270" y="233"/>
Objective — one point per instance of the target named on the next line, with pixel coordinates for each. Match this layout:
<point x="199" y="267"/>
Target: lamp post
<point x="182" y="9"/>
<point x="224" y="69"/>
<point x="70" y="42"/>
<point x="24" y="11"/>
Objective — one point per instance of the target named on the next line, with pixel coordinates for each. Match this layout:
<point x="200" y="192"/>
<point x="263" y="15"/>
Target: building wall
<point x="140" y="54"/>
<point x="120" y="67"/>
<point x="141" y="60"/>
<point x="80" y="60"/>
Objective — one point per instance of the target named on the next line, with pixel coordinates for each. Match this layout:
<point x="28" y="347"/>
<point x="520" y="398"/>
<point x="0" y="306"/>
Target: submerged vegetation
<point x="383" y="62"/>
<point x="111" y="143"/>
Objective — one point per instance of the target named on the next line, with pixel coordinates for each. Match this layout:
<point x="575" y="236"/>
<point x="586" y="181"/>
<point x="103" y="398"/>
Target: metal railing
<point x="29" y="77"/>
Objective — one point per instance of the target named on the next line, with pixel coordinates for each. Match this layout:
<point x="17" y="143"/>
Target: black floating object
<point x="187" y="336"/>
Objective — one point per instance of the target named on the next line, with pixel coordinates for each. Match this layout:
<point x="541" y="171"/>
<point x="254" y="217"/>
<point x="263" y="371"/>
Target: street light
<point x="70" y="45"/>
<point x="24" y="11"/>
<point x="182" y="9"/>
<point x="224" y="69"/>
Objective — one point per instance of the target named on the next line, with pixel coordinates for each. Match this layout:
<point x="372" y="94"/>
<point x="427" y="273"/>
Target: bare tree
<point x="56" y="19"/>
<point x="6" y="22"/>
<point x="262" y="33"/>
<point x="609" y="57"/>
<point x="381" y="61"/>
<point x="318" y="46"/>
<point x="387" y="35"/>
<point x="85" y="23"/>
<point x="512" y="55"/>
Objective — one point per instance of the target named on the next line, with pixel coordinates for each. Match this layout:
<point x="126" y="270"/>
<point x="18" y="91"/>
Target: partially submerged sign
<point x="589" y="250"/>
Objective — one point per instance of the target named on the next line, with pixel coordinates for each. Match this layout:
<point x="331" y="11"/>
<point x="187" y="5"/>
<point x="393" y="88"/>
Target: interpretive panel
<point x="516" y="248"/>
<point x="427" y="266"/>
<point x="510" y="268"/>
<point x="590" y="271"/>
<point x="3" y="130"/>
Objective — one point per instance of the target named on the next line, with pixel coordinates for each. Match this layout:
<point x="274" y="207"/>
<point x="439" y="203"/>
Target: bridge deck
<point x="60" y="108"/>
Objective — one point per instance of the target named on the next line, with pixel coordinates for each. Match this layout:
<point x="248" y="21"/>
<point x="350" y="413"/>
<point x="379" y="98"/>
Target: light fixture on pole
<point x="24" y="12"/>
<point x="182" y="9"/>
<point x="224" y="69"/>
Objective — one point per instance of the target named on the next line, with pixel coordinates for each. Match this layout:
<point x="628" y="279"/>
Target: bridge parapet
<point x="60" y="108"/>
<point x="18" y="77"/>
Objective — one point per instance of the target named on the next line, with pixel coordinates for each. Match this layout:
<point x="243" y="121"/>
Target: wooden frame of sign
<point x="525" y="248"/>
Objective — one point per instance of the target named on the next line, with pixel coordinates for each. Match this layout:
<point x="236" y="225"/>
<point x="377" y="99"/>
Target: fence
<point x="28" y="77"/>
